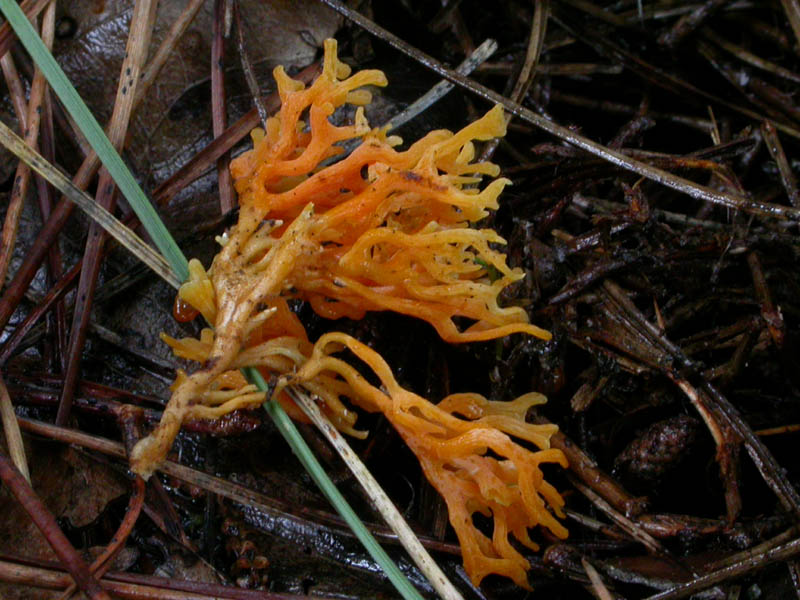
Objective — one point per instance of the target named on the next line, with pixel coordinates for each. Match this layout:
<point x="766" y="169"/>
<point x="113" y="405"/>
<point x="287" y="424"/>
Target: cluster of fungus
<point x="378" y="229"/>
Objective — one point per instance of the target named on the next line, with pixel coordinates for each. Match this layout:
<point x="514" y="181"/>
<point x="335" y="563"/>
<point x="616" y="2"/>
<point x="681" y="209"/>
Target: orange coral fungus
<point x="377" y="230"/>
<point x="392" y="229"/>
<point x="453" y="454"/>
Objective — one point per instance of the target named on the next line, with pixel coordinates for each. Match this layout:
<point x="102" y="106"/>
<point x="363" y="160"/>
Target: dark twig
<point x="769" y="312"/>
<point x="738" y="569"/>
<point x="167" y="47"/>
<point x="792" y="8"/>
<point x="527" y="72"/>
<point x="249" y="75"/>
<point x="30" y="127"/>
<point x="46" y="523"/>
<point x="55" y="294"/>
<point x="31" y="8"/>
<point x="219" y="109"/>
<point x="15" y="90"/>
<point x="594" y="477"/>
<point x="727" y="441"/>
<point x="134" y="586"/>
<point x="687" y="24"/>
<point x="57" y="324"/>
<point x="749" y="57"/>
<point x="629" y="526"/>
<point x="775" y="148"/>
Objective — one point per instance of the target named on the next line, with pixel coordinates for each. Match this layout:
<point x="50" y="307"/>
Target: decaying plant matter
<point x="378" y="230"/>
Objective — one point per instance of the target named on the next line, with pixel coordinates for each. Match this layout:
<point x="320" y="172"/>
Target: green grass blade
<point x="172" y="253"/>
<point x="81" y="114"/>
<point x="311" y="464"/>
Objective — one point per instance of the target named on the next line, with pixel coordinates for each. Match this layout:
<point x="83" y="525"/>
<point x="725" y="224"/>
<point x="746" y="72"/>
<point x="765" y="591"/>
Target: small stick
<point x="588" y="472"/>
<point x="249" y="76"/>
<point x="743" y="567"/>
<point x="630" y="527"/>
<point x="778" y="430"/>
<point x="57" y="324"/>
<point x="219" y="110"/>
<point x="794" y="575"/>
<point x="31" y="134"/>
<point x="135" y="586"/>
<point x="726" y="440"/>
<point x="598" y="587"/>
<point x="15" y="89"/>
<point x="31" y="8"/>
<point x="749" y="57"/>
<point x="769" y="312"/>
<point x="792" y="8"/>
<point x="541" y="11"/>
<point x="689" y="23"/>
<point x="775" y="148"/>
<point x="166" y="49"/>
<point x="46" y="523"/>
<point x="590" y="8"/>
